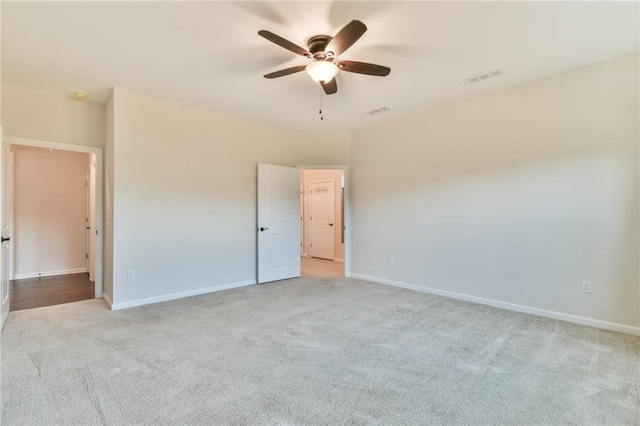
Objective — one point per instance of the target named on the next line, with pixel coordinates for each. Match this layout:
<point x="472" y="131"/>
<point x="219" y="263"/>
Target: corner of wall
<point x="108" y="197"/>
<point x="638" y="181"/>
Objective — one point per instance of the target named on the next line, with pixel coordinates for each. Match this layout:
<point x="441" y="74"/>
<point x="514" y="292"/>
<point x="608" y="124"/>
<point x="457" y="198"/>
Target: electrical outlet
<point x="587" y="286"/>
<point x="131" y="274"/>
<point x="390" y="260"/>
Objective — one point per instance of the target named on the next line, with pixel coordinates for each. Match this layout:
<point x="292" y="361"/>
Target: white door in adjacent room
<point x="92" y="221"/>
<point x="87" y="227"/>
<point x="278" y="222"/>
<point x="6" y="160"/>
<point x="322" y="212"/>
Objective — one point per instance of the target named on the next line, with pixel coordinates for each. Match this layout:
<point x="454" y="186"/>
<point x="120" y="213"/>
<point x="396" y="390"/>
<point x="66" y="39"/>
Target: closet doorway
<point x="56" y="251"/>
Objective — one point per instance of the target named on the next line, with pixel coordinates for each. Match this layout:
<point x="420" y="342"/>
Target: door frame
<point x="98" y="194"/>
<point x="6" y="198"/>
<point x="347" y="210"/>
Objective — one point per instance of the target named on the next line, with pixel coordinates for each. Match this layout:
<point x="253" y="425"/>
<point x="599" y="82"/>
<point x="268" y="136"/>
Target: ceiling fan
<point x="322" y="50"/>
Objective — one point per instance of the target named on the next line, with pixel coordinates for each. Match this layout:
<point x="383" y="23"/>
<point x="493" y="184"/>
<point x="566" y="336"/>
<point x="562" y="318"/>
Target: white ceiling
<point x="208" y="54"/>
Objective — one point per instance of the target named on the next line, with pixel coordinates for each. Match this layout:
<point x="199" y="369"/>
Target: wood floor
<point x="320" y="268"/>
<point x="47" y="291"/>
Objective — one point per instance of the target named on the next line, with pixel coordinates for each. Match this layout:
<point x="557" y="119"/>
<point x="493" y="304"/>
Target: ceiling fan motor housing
<point x="317" y="45"/>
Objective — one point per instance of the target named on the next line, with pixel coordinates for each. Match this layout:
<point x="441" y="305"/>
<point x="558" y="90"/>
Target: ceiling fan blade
<point x="331" y="87"/>
<point x="274" y="38"/>
<point x="364" y="68"/>
<point x="285" y="71"/>
<point x="346" y="37"/>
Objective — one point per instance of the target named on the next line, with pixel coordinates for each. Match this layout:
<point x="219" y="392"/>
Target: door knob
<point x="331" y="224"/>
<point x="5" y="239"/>
<point x="263" y="229"/>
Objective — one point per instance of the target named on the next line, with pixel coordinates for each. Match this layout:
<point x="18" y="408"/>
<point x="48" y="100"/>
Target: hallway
<point x="47" y="291"/>
<point x="320" y="268"/>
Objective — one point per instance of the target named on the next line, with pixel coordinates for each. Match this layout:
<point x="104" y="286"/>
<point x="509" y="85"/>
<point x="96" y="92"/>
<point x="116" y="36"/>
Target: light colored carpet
<point x="312" y="351"/>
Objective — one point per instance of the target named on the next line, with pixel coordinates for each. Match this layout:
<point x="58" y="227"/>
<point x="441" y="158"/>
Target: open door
<point x="278" y="223"/>
<point x="6" y="162"/>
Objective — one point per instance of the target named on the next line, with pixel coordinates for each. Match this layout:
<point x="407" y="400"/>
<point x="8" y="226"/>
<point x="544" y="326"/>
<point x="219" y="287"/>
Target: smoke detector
<point x="482" y="76"/>
<point x="80" y="96"/>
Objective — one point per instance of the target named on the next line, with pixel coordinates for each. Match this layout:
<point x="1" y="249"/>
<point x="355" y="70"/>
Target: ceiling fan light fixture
<point x="322" y="71"/>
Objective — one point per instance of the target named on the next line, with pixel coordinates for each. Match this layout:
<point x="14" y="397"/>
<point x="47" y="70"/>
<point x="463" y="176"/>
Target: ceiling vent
<point x="378" y="110"/>
<point x="482" y="76"/>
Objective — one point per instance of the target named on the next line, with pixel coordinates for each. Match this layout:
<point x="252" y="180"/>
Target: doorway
<point x="322" y="222"/>
<point x="280" y="222"/>
<point x="56" y="250"/>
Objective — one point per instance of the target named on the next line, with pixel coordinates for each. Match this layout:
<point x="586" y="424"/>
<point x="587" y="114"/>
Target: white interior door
<point x="92" y="222"/>
<point x="323" y="224"/>
<point x="301" y="217"/>
<point x="278" y="223"/>
<point x="87" y="228"/>
<point x="6" y="162"/>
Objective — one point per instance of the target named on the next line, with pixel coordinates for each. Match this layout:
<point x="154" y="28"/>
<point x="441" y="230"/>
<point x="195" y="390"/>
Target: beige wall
<point x="35" y="114"/>
<point x="226" y="144"/>
<point x="184" y="196"/>
<point x="49" y="211"/>
<point x="516" y="196"/>
<point x="322" y="149"/>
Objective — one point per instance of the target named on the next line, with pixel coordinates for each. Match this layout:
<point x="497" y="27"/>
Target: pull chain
<point x="320" y="103"/>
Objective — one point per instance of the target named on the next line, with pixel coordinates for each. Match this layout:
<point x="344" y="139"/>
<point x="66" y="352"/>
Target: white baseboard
<point x="592" y="322"/>
<point x="107" y="301"/>
<point x="179" y="295"/>
<point x="49" y="273"/>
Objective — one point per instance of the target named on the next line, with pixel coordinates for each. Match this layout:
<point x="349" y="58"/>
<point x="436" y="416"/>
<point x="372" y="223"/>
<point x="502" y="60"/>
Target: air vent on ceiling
<point x="482" y="76"/>
<point x="378" y="110"/>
